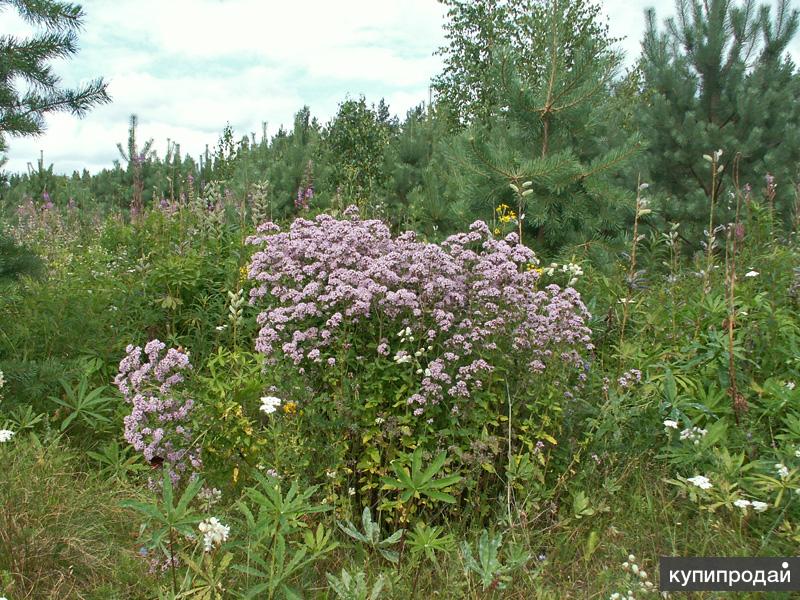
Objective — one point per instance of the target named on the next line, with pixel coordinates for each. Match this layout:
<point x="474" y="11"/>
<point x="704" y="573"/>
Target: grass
<point x="62" y="532"/>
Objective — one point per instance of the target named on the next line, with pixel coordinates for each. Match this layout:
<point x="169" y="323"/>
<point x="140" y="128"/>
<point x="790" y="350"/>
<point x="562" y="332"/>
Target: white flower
<point x="351" y="491"/>
<point x="214" y="533"/>
<point x="752" y="274"/>
<point x="6" y="435"/>
<point x="402" y="357"/>
<point x="782" y="470"/>
<point x="379" y="420"/>
<point x="693" y="434"/>
<point x="759" y="506"/>
<point x="330" y="474"/>
<point x="700" y="481"/>
<point x="741" y="503"/>
<point x="273" y="473"/>
<point x="269" y="404"/>
<point x="670" y="424"/>
<point x="3" y="382"/>
<point x="220" y="327"/>
<point x="797" y="453"/>
<point x="789" y="384"/>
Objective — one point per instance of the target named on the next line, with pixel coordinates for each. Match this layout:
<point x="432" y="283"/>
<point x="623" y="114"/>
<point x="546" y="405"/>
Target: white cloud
<point x="186" y="68"/>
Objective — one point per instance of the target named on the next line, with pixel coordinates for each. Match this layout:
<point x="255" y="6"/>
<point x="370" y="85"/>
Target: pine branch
<point x="51" y="14"/>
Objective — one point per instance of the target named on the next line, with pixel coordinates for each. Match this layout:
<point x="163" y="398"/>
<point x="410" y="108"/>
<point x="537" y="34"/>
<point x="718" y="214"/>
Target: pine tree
<point x="135" y="159"/>
<point x="22" y="111"/>
<point x="717" y="78"/>
<point x="551" y="146"/>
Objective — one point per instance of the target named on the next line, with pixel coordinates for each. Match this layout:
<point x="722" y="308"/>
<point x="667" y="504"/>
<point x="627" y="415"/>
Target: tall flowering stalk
<point x="158" y="425"/>
<point x="459" y="307"/>
<point x="710" y="243"/>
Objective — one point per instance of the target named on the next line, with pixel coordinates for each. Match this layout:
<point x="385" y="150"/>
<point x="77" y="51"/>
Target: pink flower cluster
<point x="465" y="302"/>
<point x="158" y="423"/>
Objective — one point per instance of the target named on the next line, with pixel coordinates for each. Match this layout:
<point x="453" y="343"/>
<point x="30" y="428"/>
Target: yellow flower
<point x="243" y="272"/>
<point x="290" y="408"/>
<point x="497" y="231"/>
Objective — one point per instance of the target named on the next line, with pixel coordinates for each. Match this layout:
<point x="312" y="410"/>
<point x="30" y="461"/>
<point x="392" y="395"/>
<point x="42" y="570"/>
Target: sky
<point x="186" y="68"/>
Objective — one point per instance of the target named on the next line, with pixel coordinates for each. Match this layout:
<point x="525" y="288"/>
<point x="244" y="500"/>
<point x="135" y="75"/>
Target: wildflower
<point x="693" y="434"/>
<point x="330" y="473"/>
<point x="759" y="506"/>
<point x="379" y="420"/>
<point x="290" y="408"/>
<point x="797" y="453"/>
<point x="471" y="289"/>
<point x="752" y="274"/>
<point x="220" y="327"/>
<point x="789" y="384"/>
<point x="2" y="380"/>
<point x="214" y="533"/>
<point x="351" y="491"/>
<point x="269" y="404"/>
<point x="670" y="424"/>
<point x="6" y="435"/>
<point x="742" y="503"/>
<point x="700" y="481"/>
<point x="272" y="473"/>
<point x="209" y="496"/>
<point x="402" y="357"/>
<point x="782" y="470"/>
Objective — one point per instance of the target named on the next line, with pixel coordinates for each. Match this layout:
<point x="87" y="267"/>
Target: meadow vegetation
<point x="500" y="349"/>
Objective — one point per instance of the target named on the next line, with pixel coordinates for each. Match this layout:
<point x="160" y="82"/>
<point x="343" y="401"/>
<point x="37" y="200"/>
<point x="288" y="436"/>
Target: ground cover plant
<point x="370" y="379"/>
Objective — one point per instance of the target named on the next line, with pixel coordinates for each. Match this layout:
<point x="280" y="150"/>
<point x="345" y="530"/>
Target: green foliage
<point x="169" y="516"/>
<point x="371" y="536"/>
<point x="269" y="560"/>
<point x="419" y="482"/>
<point x="696" y="455"/>
<point x="553" y="141"/>
<point x="717" y="77"/>
<point x="492" y="572"/>
<point x="62" y="533"/>
<point x="16" y="260"/>
<point x="85" y="407"/>
<point x="428" y="541"/>
<point x="22" y="112"/>
<point x="357" y="136"/>
<point x="116" y="463"/>
<point x="355" y="587"/>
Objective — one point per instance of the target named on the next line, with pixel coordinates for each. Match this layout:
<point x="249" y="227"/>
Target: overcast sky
<point x="187" y="67"/>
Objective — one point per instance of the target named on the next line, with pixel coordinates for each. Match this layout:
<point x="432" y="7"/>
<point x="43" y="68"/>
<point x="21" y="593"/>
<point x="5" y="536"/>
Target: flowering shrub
<point x="158" y="423"/>
<point x="427" y="332"/>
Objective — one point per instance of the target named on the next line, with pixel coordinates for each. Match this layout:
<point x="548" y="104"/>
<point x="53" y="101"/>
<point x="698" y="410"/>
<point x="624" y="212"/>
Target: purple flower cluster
<point x="629" y="378"/>
<point x="458" y="306"/>
<point x="158" y="423"/>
